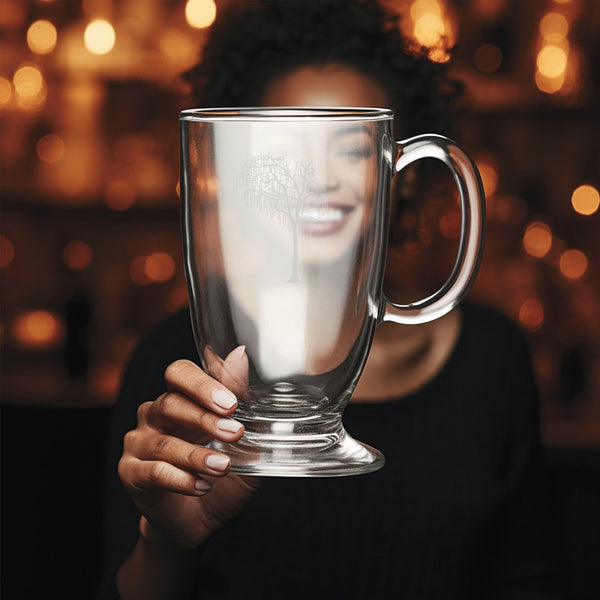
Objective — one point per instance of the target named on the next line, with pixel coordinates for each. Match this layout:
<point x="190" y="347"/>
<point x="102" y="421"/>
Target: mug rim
<point x="286" y="113"/>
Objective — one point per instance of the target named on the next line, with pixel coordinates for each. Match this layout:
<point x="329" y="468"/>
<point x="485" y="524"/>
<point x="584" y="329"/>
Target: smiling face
<point x="345" y="179"/>
<point x="310" y="184"/>
<point x="293" y="219"/>
<point x="340" y="162"/>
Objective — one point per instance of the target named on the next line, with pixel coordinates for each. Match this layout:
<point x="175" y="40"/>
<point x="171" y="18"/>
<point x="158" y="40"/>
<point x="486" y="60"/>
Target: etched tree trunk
<point x="281" y="189"/>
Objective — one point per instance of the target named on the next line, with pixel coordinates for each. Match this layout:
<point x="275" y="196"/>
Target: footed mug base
<point x="281" y="449"/>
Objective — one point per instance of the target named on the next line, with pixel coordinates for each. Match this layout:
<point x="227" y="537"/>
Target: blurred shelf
<point x="42" y="206"/>
<point x="47" y="385"/>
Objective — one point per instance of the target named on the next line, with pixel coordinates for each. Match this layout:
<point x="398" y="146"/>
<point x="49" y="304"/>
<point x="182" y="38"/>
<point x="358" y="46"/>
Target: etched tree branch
<point x="274" y="186"/>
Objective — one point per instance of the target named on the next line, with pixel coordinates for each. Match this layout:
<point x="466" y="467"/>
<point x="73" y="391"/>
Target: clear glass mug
<point x="285" y="226"/>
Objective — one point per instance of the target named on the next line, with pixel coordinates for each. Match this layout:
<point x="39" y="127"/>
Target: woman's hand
<point x="183" y="489"/>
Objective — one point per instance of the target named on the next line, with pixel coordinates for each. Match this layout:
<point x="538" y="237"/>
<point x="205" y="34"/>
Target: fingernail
<point x="202" y="485"/>
<point x="242" y="350"/>
<point x="223" y="399"/>
<point x="218" y="462"/>
<point x="229" y="425"/>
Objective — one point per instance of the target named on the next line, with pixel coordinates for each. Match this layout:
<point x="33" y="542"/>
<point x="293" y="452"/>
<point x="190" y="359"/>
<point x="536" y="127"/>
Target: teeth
<point x="322" y="214"/>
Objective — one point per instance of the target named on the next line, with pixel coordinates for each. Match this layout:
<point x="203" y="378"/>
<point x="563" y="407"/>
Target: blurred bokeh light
<point x="554" y="27"/>
<point x="38" y="329"/>
<point x="99" y="37"/>
<point x="531" y="314"/>
<point x="30" y="87"/>
<point x="573" y="264"/>
<point x="537" y="240"/>
<point x="77" y="255"/>
<point x="7" y="252"/>
<point x="200" y="13"/>
<point x="50" y="148"/>
<point x="41" y="37"/>
<point x="585" y="200"/>
<point x="552" y="61"/>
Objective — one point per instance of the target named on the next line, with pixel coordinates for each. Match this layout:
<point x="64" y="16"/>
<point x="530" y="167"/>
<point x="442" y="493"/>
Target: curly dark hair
<point x="252" y="43"/>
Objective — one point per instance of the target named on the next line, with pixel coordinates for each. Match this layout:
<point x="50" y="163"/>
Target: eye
<point x="352" y="144"/>
<point x="355" y="152"/>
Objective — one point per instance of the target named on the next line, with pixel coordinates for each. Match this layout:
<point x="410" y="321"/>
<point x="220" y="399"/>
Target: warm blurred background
<point x="90" y="245"/>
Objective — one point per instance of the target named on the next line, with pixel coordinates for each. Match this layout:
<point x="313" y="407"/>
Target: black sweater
<point x="458" y="511"/>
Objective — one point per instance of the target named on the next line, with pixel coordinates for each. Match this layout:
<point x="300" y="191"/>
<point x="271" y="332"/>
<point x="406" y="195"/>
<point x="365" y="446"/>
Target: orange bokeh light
<point x="119" y="195"/>
<point x="554" y="27"/>
<point x="573" y="264"/>
<point x="37" y="329"/>
<point x="99" y="37"/>
<point x="537" y="240"/>
<point x="50" y="148"/>
<point x="438" y="55"/>
<point x="531" y="314"/>
<point x="28" y="80"/>
<point x="7" y="252"/>
<point x="159" y="267"/>
<point x="30" y="87"/>
<point x="421" y="8"/>
<point x="585" y="200"/>
<point x="41" y="37"/>
<point x="450" y="223"/>
<point x="489" y="178"/>
<point x="106" y="379"/>
<point x="200" y="13"/>
<point x="5" y="91"/>
<point x="552" y="61"/>
<point x="549" y="85"/>
<point x="77" y="255"/>
<point x="429" y="30"/>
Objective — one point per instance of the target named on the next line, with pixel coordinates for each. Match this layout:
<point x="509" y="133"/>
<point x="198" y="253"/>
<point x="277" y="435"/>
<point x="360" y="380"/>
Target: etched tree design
<point x="279" y="188"/>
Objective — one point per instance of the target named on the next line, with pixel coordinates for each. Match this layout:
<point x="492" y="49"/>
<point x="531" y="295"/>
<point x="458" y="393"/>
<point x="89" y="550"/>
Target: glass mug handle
<point x="470" y="248"/>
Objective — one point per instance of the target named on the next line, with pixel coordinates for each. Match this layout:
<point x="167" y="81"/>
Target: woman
<point x="457" y="512"/>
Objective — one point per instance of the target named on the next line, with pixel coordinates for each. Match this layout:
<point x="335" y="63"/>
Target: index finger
<point x="188" y="378"/>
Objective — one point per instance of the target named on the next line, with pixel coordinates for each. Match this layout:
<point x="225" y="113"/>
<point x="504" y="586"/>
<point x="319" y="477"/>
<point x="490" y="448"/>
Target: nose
<point x="326" y="177"/>
<point x="324" y="173"/>
<point x="325" y="182"/>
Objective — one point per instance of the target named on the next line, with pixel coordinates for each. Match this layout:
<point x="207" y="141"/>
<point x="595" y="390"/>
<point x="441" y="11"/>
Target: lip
<point x="324" y="219"/>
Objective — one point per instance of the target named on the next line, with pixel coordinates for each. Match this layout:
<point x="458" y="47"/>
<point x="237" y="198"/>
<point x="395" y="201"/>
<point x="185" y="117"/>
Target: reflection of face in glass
<point x="329" y="86"/>
<point x="309" y="185"/>
<point x="295" y="221"/>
